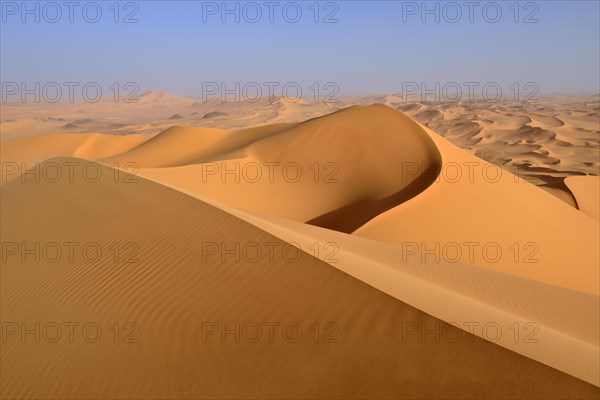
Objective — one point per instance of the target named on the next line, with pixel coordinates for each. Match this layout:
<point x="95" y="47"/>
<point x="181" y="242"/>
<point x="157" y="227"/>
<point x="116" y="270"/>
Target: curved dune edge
<point x="173" y="289"/>
<point x="463" y="293"/>
<point x="565" y="195"/>
<point x="502" y="209"/>
<point x="586" y="190"/>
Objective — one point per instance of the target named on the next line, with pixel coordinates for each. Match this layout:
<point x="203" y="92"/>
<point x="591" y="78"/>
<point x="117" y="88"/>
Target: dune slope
<point x="550" y="324"/>
<point x="174" y="289"/>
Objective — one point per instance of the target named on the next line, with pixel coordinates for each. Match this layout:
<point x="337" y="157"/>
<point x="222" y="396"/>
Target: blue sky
<point x="373" y="47"/>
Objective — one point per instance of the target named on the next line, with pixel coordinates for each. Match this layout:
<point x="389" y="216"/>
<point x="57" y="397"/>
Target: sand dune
<point x="547" y="265"/>
<point x="548" y="245"/>
<point x="175" y="146"/>
<point x="330" y="185"/>
<point x="20" y="155"/>
<point x="477" y="193"/>
<point x="380" y="180"/>
<point x="499" y="210"/>
<point x="165" y="149"/>
<point x="40" y="148"/>
<point x="378" y="213"/>
<point x="467" y="295"/>
<point x="171" y="291"/>
<point x="25" y="153"/>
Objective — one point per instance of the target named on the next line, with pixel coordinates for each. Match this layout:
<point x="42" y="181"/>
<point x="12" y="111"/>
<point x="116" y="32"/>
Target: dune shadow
<point x="349" y="218"/>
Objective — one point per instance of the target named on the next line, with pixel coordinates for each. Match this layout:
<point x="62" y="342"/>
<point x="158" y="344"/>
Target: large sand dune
<point x="315" y="177"/>
<point x="378" y="188"/>
<point x="171" y="291"/>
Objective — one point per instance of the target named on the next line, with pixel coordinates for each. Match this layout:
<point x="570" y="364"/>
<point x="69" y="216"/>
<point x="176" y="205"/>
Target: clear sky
<point x="362" y="46"/>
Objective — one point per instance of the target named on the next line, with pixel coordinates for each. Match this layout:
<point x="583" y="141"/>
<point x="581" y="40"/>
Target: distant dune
<point x="102" y="146"/>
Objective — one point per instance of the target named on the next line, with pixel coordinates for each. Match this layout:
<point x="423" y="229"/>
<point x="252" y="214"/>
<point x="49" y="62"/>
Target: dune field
<point x="368" y="248"/>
